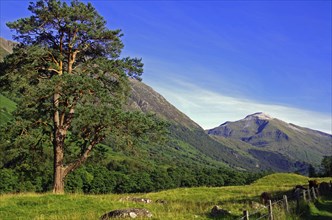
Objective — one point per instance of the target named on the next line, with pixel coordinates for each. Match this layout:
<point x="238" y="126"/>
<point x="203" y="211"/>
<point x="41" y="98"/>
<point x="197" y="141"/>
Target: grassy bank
<point x="320" y="210"/>
<point x="182" y="203"/>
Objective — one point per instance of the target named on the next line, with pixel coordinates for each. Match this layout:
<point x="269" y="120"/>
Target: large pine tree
<point x="69" y="82"/>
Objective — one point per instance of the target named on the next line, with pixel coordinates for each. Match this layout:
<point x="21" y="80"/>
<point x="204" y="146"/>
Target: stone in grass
<point x="216" y="211"/>
<point x="256" y="205"/>
<point x="127" y="213"/>
<point x="143" y="200"/>
<point x="161" y="201"/>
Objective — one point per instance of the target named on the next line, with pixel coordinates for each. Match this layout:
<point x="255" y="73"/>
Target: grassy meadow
<point x="182" y="203"/>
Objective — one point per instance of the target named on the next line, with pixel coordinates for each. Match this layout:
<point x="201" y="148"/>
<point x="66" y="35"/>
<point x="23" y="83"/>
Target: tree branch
<point x="96" y="139"/>
<point x="69" y="118"/>
<point x="53" y="59"/>
<point x="54" y="70"/>
<point x="56" y="116"/>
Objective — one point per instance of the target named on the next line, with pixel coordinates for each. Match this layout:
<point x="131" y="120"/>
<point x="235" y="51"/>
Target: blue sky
<point x="219" y="61"/>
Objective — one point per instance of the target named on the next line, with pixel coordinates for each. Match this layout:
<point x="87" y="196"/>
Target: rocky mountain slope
<point x="6" y="47"/>
<point x="144" y="98"/>
<point x="274" y="142"/>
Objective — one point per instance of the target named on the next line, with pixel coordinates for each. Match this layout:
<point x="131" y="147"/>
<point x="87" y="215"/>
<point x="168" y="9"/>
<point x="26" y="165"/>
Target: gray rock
<point x="142" y="200"/>
<point x="127" y="213"/>
<point x="216" y="211"/>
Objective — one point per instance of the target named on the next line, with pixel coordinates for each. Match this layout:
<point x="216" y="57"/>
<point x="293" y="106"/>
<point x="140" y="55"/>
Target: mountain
<point x="274" y="143"/>
<point x="6" y="47"/>
<point x="144" y="98"/>
<point x="186" y="136"/>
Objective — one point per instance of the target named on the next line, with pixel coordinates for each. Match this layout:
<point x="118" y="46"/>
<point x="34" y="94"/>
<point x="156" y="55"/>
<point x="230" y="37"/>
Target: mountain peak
<point x="259" y="115"/>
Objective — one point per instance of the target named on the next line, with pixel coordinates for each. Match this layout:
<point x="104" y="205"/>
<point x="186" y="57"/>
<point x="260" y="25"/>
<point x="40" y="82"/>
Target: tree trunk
<point x="59" y="169"/>
<point x="59" y="135"/>
<point x="58" y="175"/>
<point x="61" y="126"/>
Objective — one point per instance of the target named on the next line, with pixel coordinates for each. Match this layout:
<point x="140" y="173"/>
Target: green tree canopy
<point x="70" y="84"/>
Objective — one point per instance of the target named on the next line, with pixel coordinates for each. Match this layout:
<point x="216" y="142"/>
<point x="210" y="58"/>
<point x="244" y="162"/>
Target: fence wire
<point x="291" y="198"/>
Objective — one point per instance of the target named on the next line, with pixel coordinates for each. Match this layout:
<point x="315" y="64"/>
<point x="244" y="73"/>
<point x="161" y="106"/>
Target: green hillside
<point x="281" y="179"/>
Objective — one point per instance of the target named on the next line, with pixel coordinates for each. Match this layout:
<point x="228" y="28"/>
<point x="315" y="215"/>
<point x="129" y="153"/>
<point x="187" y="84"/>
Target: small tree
<point x="312" y="171"/>
<point x="69" y="83"/>
<point x="326" y="165"/>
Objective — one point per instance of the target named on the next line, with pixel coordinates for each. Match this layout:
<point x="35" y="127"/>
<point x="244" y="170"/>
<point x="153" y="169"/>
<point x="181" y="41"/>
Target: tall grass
<point x="182" y="203"/>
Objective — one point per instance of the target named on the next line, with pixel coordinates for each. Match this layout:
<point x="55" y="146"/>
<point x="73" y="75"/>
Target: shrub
<point x="9" y="181"/>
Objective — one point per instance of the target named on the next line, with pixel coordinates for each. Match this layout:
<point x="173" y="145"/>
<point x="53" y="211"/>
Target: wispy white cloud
<point x="210" y="109"/>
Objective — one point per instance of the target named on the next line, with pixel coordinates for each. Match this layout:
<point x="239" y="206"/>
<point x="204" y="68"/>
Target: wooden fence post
<point x="245" y="215"/>
<point x="298" y="205"/>
<point x="304" y="196"/>
<point x="309" y="195"/>
<point x="286" y="203"/>
<point x="313" y="193"/>
<point x="270" y="210"/>
<point x="317" y="192"/>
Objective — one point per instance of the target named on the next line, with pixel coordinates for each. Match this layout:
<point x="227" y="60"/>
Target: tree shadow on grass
<point x="325" y="205"/>
<point x="223" y="217"/>
<point x="322" y="209"/>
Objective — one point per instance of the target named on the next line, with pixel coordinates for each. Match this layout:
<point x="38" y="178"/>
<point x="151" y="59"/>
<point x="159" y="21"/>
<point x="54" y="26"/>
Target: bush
<point x="103" y="180"/>
<point x="9" y="181"/>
